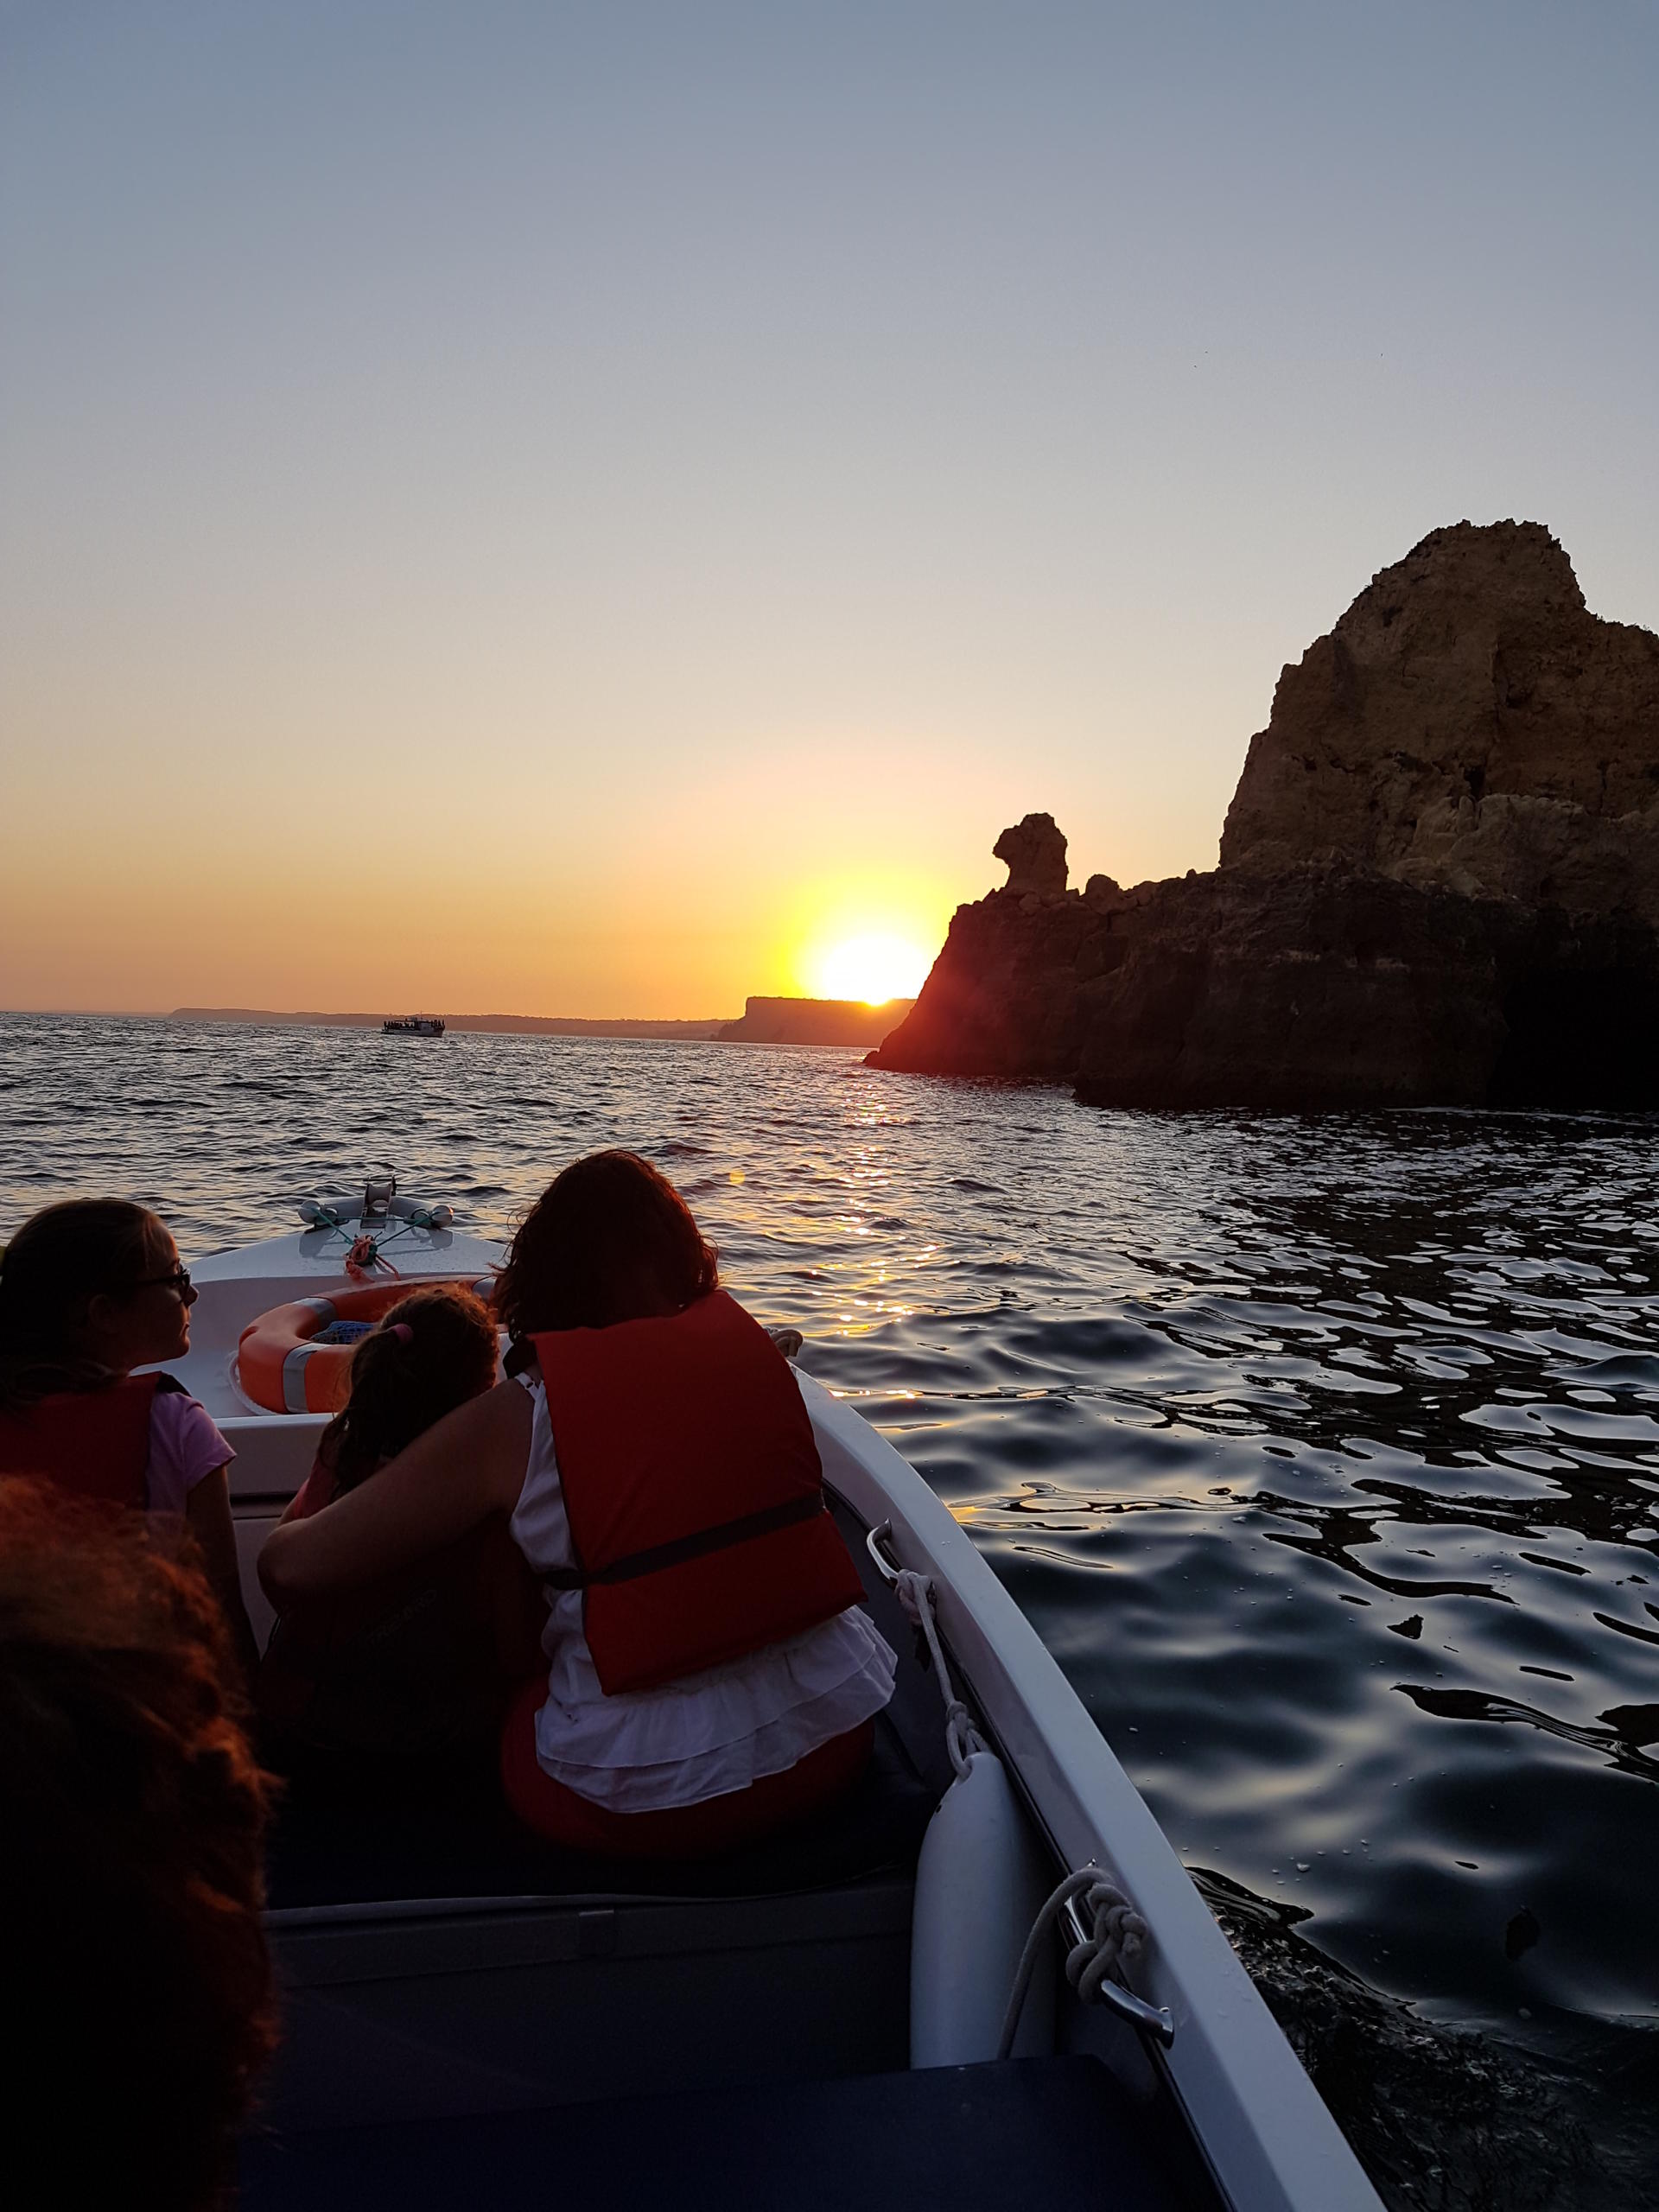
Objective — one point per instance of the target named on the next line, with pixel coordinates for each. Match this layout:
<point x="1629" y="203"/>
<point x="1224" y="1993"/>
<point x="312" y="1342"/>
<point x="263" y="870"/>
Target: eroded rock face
<point x="1319" y="988"/>
<point x="1440" y="880"/>
<point x="1035" y="852"/>
<point x="1467" y="726"/>
<point x="1002" y="1000"/>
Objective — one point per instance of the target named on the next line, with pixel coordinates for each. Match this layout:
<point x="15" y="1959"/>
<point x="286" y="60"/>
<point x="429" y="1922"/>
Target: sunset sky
<point x="586" y="510"/>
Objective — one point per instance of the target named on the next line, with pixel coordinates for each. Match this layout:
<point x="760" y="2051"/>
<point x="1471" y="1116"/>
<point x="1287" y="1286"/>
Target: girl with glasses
<point x="90" y="1290"/>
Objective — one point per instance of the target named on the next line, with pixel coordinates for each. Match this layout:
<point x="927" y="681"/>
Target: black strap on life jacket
<point x="696" y="1546"/>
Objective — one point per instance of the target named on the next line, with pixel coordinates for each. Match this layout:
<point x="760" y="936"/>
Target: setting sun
<point x="874" y="967"/>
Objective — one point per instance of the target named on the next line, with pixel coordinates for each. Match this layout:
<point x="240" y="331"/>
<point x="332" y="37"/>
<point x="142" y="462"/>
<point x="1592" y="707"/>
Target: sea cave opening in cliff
<point x="1580" y="1041"/>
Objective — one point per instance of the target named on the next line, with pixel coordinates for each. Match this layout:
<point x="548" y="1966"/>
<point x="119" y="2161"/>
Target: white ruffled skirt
<point x="641" y="1751"/>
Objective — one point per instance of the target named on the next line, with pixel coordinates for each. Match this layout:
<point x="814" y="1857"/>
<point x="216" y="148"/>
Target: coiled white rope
<point x="915" y="1593"/>
<point x="1117" y="1931"/>
<point x="1118" y="1934"/>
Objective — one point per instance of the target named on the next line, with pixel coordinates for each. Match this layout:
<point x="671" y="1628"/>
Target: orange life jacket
<point x="95" y="1443"/>
<point x="693" y="1493"/>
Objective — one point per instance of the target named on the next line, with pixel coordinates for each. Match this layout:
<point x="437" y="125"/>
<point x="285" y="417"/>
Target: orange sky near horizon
<point x="202" y="817"/>
<point x="373" y="896"/>
<point x="568" y="511"/>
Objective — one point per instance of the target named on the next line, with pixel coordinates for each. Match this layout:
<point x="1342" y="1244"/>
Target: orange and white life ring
<point x="281" y="1368"/>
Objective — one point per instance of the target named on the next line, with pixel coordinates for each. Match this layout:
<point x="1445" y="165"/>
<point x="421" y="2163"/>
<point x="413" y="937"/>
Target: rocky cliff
<point x="1440" y="880"/>
<point x="1469" y="725"/>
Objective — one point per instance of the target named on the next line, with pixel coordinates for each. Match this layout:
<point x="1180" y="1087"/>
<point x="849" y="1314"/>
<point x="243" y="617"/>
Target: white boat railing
<point x="1267" y="2131"/>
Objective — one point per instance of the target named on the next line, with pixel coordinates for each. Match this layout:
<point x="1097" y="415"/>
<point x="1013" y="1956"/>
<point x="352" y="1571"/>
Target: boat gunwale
<point x="1253" y="2109"/>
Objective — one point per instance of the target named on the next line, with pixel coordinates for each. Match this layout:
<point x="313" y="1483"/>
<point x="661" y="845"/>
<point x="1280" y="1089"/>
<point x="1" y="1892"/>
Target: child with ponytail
<point x="419" y="1663"/>
<point x="434" y="1349"/>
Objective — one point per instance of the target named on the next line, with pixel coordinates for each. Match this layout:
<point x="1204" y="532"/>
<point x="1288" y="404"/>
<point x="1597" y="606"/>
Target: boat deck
<point x="462" y="2004"/>
<point x="1054" y="2132"/>
<point x="335" y="1845"/>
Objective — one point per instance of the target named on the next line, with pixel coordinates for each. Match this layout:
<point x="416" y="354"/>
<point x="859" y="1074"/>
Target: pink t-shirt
<point x="184" y="1445"/>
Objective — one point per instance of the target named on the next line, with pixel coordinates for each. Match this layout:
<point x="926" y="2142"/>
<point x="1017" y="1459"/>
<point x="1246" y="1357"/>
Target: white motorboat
<point x="469" y="2013"/>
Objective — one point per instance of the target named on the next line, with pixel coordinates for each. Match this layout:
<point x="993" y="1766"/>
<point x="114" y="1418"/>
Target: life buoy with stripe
<point x="93" y="1443"/>
<point x="693" y="1490"/>
<point x="280" y="1366"/>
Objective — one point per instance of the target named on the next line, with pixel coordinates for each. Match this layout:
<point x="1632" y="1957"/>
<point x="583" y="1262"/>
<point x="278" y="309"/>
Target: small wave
<point x="1225" y="1399"/>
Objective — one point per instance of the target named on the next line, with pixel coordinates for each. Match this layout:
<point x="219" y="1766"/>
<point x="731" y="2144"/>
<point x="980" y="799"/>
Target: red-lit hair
<point x="137" y="1984"/>
<point x="609" y="1239"/>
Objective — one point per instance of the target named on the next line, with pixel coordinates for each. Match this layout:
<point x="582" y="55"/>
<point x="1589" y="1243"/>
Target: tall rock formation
<point x="1440" y="880"/>
<point x="1469" y="725"/>
<point x="1035" y="852"/>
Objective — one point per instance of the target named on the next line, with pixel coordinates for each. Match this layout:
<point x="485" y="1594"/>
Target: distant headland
<point x="1439" y="880"/>
<point x="815" y="1021"/>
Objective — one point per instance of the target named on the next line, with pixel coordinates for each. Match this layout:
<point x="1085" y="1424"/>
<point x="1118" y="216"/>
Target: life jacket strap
<point x="696" y="1546"/>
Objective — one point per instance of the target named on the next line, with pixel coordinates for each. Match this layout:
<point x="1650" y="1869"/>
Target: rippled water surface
<point x="1324" y="1453"/>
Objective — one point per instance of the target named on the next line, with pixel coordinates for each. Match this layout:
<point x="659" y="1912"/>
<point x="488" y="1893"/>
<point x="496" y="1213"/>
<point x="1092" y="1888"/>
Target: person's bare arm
<point x="207" y="1516"/>
<point x="469" y="1465"/>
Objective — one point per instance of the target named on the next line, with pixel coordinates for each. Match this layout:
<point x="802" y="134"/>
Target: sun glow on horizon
<point x="875" y="966"/>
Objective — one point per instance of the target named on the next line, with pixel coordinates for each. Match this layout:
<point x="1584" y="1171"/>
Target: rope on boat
<point x="1118" y="1934"/>
<point x="1110" y="1930"/>
<point x="915" y="1593"/>
<point x="365" y="1256"/>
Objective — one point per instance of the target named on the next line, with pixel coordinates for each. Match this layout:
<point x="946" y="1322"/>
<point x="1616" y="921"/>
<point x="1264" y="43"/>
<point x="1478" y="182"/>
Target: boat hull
<point x="1264" y="2133"/>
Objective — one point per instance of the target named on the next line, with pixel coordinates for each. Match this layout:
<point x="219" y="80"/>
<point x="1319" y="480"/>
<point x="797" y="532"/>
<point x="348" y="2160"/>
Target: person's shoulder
<point x="315" y="1492"/>
<point x="503" y="1401"/>
<point x="175" y="1407"/>
<point x="503" y="1418"/>
<point x="188" y="1432"/>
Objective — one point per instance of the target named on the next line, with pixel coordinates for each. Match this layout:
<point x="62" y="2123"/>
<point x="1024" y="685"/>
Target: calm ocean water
<point x="1324" y="1453"/>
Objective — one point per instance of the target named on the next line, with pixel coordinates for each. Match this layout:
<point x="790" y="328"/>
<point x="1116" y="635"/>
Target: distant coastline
<point x="494" y="1025"/>
<point x="764" y="1021"/>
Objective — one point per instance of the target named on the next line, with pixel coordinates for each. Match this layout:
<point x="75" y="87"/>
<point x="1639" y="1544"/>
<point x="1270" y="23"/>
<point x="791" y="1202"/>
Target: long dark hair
<point x="61" y="1259"/>
<point x="609" y="1239"/>
<point x="434" y="1349"/>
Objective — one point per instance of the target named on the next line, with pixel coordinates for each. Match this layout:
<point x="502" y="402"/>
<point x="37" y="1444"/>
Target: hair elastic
<point x="403" y="1333"/>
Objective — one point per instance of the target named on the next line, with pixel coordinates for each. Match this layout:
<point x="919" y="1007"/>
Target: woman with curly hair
<point x="709" y="1677"/>
<point x="136" y="1988"/>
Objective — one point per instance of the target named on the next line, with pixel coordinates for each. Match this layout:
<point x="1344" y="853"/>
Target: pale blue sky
<point x="648" y="464"/>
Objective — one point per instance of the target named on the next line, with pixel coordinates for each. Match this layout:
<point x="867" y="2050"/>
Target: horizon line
<point x="359" y="1017"/>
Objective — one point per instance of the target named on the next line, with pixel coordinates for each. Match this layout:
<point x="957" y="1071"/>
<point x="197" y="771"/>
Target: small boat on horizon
<point x="412" y="1025"/>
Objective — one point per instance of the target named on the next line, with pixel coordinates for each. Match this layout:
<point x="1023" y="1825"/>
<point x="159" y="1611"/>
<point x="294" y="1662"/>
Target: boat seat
<point x="961" y="2139"/>
<point x="393" y="1837"/>
<point x="436" y="1959"/>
